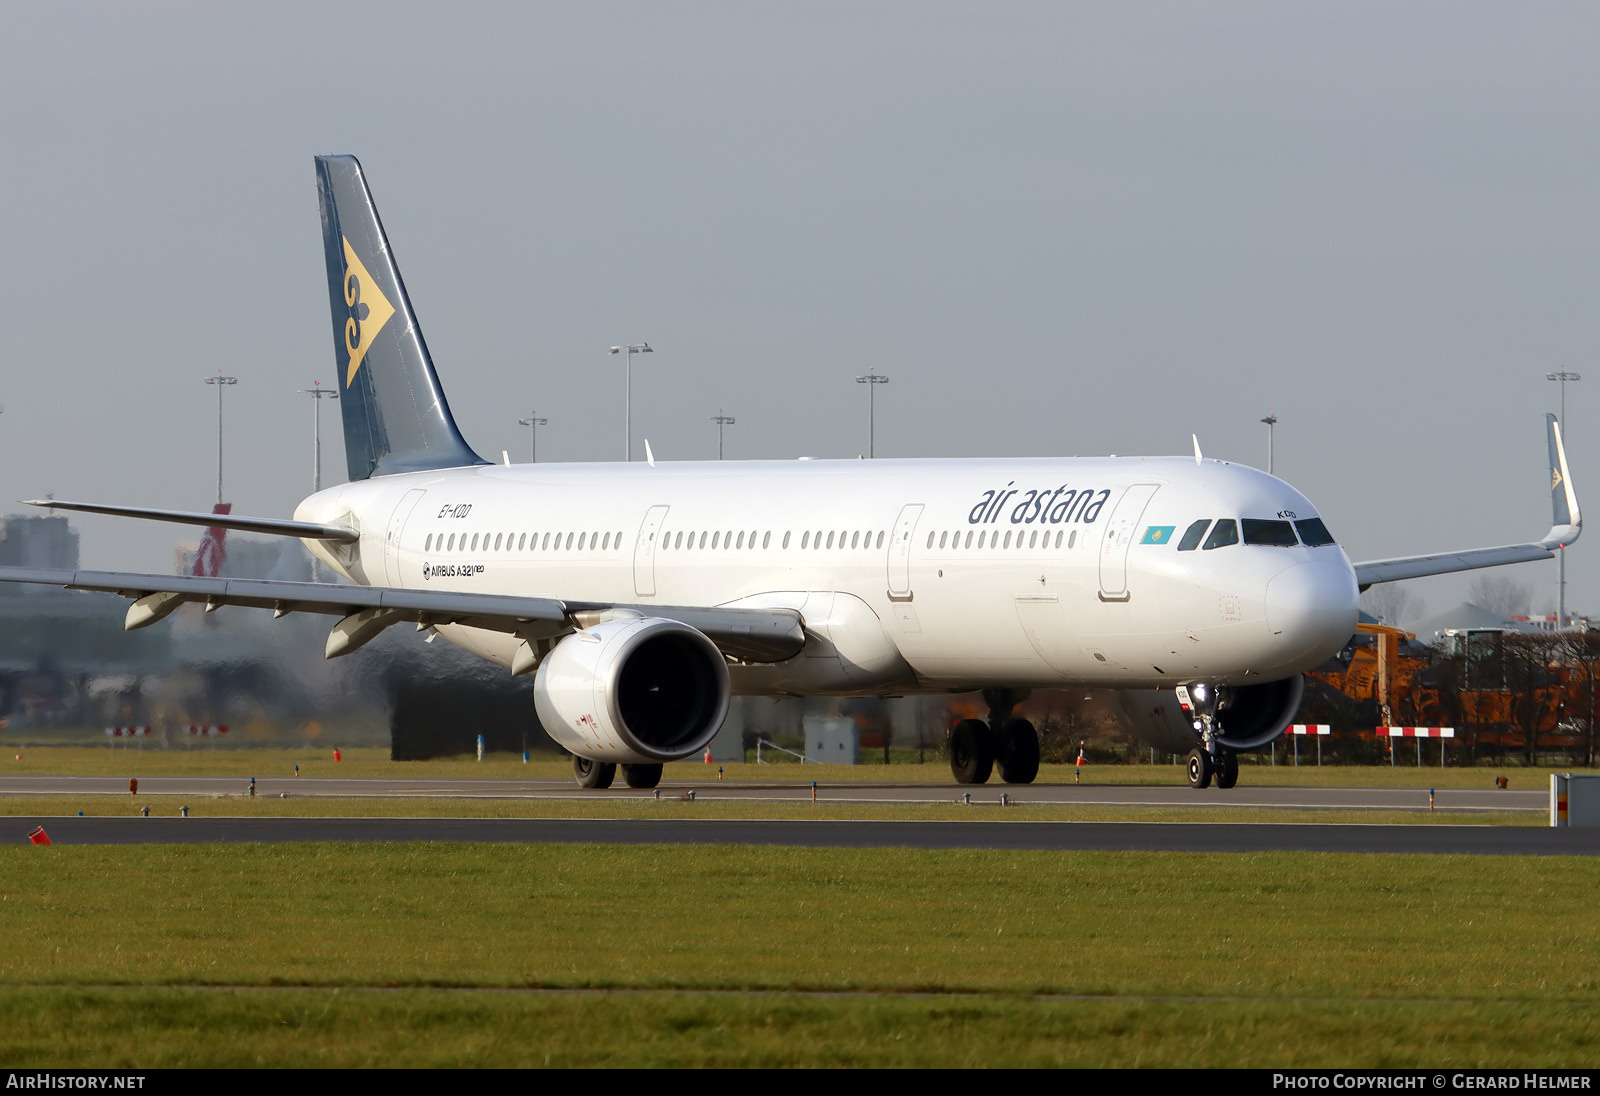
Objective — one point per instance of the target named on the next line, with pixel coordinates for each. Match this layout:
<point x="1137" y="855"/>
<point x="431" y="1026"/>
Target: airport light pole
<point x="1561" y="553"/>
<point x="317" y="394"/>
<point x="533" y="422"/>
<point x="872" y="380"/>
<point x="722" y="421"/>
<point x="1271" y="421"/>
<point x="221" y="382"/>
<point x="627" y="353"/>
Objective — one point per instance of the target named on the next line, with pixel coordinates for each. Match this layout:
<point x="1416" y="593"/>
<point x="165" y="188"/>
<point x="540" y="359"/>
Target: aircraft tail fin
<point x="395" y="415"/>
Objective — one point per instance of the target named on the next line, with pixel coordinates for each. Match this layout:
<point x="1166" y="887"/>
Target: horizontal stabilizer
<point x="281" y="527"/>
<point x="753" y="635"/>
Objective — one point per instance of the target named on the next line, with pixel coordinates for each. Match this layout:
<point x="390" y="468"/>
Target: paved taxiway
<point x="1282" y="798"/>
<point x="993" y="834"/>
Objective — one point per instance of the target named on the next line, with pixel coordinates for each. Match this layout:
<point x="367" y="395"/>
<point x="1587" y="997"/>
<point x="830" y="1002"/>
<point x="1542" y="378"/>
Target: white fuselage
<point x="910" y="575"/>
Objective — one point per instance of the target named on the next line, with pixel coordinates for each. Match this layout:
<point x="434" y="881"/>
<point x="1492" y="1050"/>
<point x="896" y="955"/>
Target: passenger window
<point x="880" y="538"/>
<point x="741" y="539"/>
<point x="766" y="539"/>
<point x="715" y="539"/>
<point x="522" y="542"/>
<point x="1072" y="538"/>
<point x="1008" y="538"/>
<point x="805" y="538"/>
<point x="1223" y="534"/>
<point x="830" y="539"/>
<point x="1313" y="534"/>
<point x="1273" y="534"/>
<point x="427" y="542"/>
<point x="581" y="538"/>
<point x="569" y="540"/>
<point x="1033" y="539"/>
<point x="786" y="540"/>
<point x="1193" y="534"/>
<point x="703" y="539"/>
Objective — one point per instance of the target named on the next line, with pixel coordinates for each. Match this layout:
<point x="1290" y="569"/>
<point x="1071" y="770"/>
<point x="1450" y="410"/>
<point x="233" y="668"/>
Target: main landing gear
<point x="1211" y="760"/>
<point x="977" y="746"/>
<point x="590" y="773"/>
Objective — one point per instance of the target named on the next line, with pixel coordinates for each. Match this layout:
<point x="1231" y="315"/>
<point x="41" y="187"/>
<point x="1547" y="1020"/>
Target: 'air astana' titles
<point x="1064" y="504"/>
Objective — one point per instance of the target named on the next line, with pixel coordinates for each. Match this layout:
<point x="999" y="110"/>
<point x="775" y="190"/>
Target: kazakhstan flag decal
<point x="1158" y="534"/>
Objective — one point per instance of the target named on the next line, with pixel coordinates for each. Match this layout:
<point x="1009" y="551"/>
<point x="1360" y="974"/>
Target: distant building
<point x="27" y="540"/>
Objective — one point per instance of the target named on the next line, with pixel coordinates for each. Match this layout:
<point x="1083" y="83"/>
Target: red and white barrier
<point x="1418" y="733"/>
<point x="1309" y="728"/>
<point x="128" y="732"/>
<point x="210" y="731"/>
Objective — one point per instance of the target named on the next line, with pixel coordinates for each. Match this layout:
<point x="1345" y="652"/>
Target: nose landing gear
<point x="1212" y="759"/>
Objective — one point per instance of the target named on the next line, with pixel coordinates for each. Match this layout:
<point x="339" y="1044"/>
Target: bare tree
<point x="1501" y="595"/>
<point x="1581" y="653"/>
<point x="1393" y="603"/>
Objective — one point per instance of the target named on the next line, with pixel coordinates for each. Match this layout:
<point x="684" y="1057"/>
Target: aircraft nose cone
<point x="1311" y="611"/>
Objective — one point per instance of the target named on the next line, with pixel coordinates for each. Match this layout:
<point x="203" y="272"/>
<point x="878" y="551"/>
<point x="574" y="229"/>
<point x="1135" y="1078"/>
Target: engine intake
<point x="639" y="691"/>
<point x="1255" y="716"/>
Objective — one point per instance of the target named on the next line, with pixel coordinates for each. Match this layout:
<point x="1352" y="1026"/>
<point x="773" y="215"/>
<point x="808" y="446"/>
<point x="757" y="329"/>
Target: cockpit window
<point x="1313" y="533"/>
<point x="1192" y="535"/>
<point x="1276" y="534"/>
<point x="1223" y="534"/>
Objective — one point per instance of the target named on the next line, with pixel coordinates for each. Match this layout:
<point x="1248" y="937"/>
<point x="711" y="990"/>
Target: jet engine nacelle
<point x="1256" y="715"/>
<point x="638" y="692"/>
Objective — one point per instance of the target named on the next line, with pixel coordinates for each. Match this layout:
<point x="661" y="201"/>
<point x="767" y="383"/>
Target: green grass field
<point x="448" y="955"/>
<point x="428" y="954"/>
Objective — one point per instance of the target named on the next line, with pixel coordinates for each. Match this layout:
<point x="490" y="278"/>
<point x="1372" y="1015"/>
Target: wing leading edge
<point x="751" y="635"/>
<point x="1566" y="525"/>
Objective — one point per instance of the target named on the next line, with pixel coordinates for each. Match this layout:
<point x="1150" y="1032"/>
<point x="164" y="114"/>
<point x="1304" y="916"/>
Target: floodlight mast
<point x="317" y="394"/>
<point x="1272" y="421"/>
<point x="533" y="422"/>
<point x="872" y="380"/>
<point x="221" y="382"/>
<point x="722" y="421"/>
<point x="627" y="353"/>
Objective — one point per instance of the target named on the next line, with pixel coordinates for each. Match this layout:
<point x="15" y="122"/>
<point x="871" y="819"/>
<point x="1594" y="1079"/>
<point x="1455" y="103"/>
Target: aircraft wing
<point x="305" y="530"/>
<point x="1567" y="524"/>
<point x="752" y="635"/>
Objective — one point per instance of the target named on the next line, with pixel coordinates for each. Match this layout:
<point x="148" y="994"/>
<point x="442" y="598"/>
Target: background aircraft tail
<point x="395" y="415"/>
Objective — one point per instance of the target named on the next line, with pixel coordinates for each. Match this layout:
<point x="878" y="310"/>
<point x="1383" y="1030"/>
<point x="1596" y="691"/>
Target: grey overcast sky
<point x="1060" y="228"/>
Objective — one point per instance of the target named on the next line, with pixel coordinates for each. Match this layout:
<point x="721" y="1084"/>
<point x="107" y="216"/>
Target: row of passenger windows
<point x="512" y="542"/>
<point x="1025" y="539"/>
<point x="1274" y="534"/>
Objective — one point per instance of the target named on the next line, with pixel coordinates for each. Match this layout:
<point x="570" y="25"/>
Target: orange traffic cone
<point x="39" y="837"/>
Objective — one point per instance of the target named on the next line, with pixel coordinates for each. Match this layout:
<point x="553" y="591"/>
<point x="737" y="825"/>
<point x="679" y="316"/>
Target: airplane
<point x="643" y="596"/>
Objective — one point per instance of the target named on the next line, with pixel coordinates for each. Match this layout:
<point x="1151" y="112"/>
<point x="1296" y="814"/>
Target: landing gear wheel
<point x="1019" y="752"/>
<point x="590" y="773"/>
<point x="1199" y="769"/>
<point x="971" y="752"/>
<point x="641" y="776"/>
<point x="1228" y="771"/>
